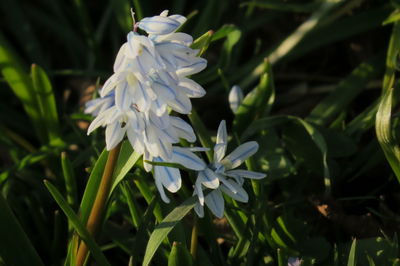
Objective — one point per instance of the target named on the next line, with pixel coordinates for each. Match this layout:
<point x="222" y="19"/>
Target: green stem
<point x="98" y="206"/>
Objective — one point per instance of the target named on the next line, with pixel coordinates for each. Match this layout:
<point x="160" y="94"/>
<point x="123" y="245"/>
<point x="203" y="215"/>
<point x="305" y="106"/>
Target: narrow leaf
<point x="14" y="240"/>
<point x="77" y="224"/>
<point x="162" y="230"/>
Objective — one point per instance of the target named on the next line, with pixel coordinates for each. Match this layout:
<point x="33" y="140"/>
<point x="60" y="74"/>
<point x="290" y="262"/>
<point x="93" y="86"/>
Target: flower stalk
<point x="96" y="213"/>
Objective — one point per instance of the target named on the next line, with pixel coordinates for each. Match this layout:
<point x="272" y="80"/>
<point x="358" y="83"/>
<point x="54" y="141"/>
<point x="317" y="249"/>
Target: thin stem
<point x="193" y="241"/>
<point x="99" y="203"/>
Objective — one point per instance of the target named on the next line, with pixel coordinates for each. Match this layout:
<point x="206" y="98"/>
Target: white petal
<point x="164" y="13"/>
<point x="221" y="142"/>
<point x="120" y="60"/>
<point x="181" y="103"/>
<point x="246" y="174"/>
<point x="198" y="65"/>
<point x="97" y="122"/>
<point x="110" y="84"/>
<point x="99" y="105"/>
<point x="167" y="135"/>
<point x="159" y="107"/>
<point x="163" y="91"/>
<point x="142" y="98"/>
<point x="181" y="19"/>
<point x="158" y="25"/>
<point x="208" y="178"/>
<point x="147" y="157"/>
<point x="199" y="210"/>
<point x="215" y="202"/>
<point x="240" y="195"/>
<point x="161" y="190"/>
<point x="170" y="177"/>
<point x="198" y="190"/>
<point x="136" y="45"/>
<point x="183" y="129"/>
<point x="240" y="154"/>
<point x="178" y="37"/>
<point x="161" y="122"/>
<point x="191" y="88"/>
<point x="235" y="98"/>
<point x="114" y="135"/>
<point x="230" y="185"/>
<point x="122" y="98"/>
<point x="187" y="158"/>
<point x="136" y="143"/>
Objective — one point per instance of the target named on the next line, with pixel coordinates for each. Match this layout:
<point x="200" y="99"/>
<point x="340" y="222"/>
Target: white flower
<point x="235" y="98"/>
<point x="135" y="99"/>
<point x="220" y="176"/>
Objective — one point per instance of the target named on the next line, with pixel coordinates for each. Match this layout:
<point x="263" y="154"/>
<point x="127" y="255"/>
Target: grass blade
<point x="292" y="40"/>
<point x="347" y="90"/>
<point x="14" y="240"/>
<point x="21" y="84"/>
<point x="384" y="132"/>
<point x="126" y="160"/>
<point x="352" y="255"/>
<point x="78" y="225"/>
<point x="92" y="187"/>
<point x="46" y="102"/>
<point x="257" y="101"/>
<point x="162" y="230"/>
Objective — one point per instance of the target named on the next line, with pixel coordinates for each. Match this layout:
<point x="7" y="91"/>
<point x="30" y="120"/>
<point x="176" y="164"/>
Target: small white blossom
<point x="293" y="261"/>
<point x="235" y="98"/>
<point x="221" y="177"/>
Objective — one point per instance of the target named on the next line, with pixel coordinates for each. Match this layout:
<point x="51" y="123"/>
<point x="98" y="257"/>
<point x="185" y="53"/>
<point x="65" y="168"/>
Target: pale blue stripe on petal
<point x="241" y="153"/>
<point x="187" y="158"/>
<point x="215" y="202"/>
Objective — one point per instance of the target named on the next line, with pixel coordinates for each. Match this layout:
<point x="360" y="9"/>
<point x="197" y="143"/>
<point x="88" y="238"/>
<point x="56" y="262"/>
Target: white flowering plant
<point x="177" y="149"/>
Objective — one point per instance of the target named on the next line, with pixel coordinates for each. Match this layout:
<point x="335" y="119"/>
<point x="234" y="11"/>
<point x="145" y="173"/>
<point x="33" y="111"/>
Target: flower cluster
<point x="150" y="75"/>
<point x="150" y="79"/>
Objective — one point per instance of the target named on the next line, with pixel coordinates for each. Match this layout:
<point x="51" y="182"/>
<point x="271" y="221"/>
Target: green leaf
<point x="132" y="203"/>
<point x="21" y="84"/>
<point x="126" y="160"/>
<point x="14" y="240"/>
<point x="77" y="224"/>
<point x="162" y="230"/>
<point x="290" y="42"/>
<point x="313" y="133"/>
<point x="345" y="92"/>
<point x="392" y="57"/>
<point x="69" y="179"/>
<point x="384" y="132"/>
<point x="352" y="255"/>
<point x="46" y="102"/>
<point x="256" y="102"/>
<point x="92" y="187"/>
<point x="393" y="17"/>
<point x="203" y="42"/>
<point x="179" y="255"/>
